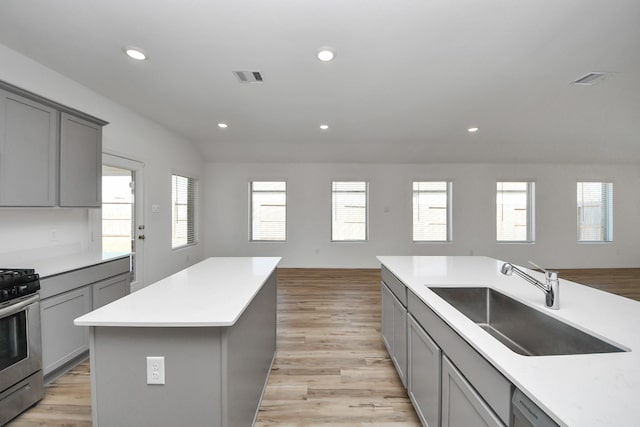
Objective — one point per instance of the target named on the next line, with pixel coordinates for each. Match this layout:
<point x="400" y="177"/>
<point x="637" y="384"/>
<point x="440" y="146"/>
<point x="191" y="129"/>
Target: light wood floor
<point x="621" y="281"/>
<point x="331" y="368"/>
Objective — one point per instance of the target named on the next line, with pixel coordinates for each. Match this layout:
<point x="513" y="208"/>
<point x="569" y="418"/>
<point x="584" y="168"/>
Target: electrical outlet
<point x="155" y="369"/>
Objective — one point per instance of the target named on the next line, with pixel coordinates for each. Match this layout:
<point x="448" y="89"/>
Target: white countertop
<point x="213" y="292"/>
<point x="576" y="390"/>
<point x="46" y="267"/>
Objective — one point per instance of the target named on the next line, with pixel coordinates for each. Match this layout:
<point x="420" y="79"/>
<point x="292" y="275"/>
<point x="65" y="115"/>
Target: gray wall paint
<point x="390" y="214"/>
<point x="26" y="232"/>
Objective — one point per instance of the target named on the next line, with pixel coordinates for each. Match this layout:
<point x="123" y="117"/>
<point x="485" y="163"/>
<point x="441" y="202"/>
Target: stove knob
<point x="4" y="294"/>
<point x="22" y="289"/>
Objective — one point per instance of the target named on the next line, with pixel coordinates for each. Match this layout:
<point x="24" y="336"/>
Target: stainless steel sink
<point x="521" y="328"/>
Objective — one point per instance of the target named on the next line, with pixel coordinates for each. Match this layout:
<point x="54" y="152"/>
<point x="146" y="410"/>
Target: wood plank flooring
<point x="331" y="368"/>
<point x="621" y="281"/>
<point x="67" y="402"/>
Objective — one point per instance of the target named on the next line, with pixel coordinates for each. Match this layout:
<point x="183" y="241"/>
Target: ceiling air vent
<point x="248" y="76"/>
<point x="591" y="79"/>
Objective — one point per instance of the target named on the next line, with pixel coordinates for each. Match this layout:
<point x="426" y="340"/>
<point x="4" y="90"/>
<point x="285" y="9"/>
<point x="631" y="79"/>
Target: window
<point x="348" y="211"/>
<point x="431" y="201"/>
<point x="182" y="211"/>
<point x="117" y="210"/>
<point x="514" y="211"/>
<point x="595" y="217"/>
<point x="268" y="210"/>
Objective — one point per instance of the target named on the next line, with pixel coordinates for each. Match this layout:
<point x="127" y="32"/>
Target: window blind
<point x="268" y="210"/>
<point x="595" y="211"/>
<point x="349" y="210"/>
<point x="513" y="211"/>
<point x="431" y="211"/>
<point x="183" y="211"/>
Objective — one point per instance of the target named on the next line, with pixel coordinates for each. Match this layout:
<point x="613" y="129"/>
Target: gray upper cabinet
<point x="28" y="152"/>
<point x="80" y="162"/>
<point x="50" y="154"/>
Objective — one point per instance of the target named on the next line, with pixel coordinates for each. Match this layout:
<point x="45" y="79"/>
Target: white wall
<point x="127" y="134"/>
<point x="390" y="215"/>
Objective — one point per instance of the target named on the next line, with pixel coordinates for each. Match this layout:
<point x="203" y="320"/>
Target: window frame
<point x="608" y="216"/>
<point x="194" y="208"/>
<point x="449" y="214"/>
<point x="286" y="209"/>
<point x="530" y="234"/>
<point x="366" y="214"/>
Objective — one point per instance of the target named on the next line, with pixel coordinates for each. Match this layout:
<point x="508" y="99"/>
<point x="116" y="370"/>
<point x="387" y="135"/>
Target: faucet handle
<point x="537" y="266"/>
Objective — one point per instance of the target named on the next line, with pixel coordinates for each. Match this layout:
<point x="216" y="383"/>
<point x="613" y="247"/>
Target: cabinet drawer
<point x="107" y="291"/>
<point x="396" y="286"/>
<point x="495" y="389"/>
<point x="54" y="285"/>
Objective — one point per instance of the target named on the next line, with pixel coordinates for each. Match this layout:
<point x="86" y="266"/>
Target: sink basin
<point x="521" y="328"/>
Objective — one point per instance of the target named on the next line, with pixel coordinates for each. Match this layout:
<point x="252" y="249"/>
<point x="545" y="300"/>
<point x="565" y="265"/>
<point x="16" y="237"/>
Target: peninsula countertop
<point x="214" y="292"/>
<point x="576" y="390"/>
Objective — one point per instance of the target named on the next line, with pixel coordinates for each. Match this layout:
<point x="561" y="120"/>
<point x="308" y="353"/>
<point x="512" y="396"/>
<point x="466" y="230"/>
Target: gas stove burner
<point x="18" y="282"/>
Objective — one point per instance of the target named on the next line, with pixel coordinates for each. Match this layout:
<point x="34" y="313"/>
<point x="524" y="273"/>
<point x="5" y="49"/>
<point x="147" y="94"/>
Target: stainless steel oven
<point x="21" y="380"/>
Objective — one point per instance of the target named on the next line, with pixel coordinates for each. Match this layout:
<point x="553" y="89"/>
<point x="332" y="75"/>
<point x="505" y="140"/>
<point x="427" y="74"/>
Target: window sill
<point x="188" y="245"/>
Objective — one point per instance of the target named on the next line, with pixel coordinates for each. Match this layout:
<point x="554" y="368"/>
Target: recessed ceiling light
<point x="135" y="53"/>
<point x="324" y="127"/>
<point x="472" y="130"/>
<point x="222" y="125"/>
<point x="325" y="54"/>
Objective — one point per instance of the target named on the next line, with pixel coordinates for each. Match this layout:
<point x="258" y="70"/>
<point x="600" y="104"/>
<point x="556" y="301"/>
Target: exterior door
<point x="123" y="212"/>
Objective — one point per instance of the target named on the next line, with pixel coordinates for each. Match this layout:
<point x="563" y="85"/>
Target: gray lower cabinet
<point x="423" y="374"/>
<point x="62" y="341"/>
<point x="28" y="152"/>
<point x="461" y="405"/>
<point x="394" y="331"/>
<point x="80" y="162"/>
<point x="387" y="318"/>
<point x="69" y="295"/>
<point x="109" y="290"/>
<point x="449" y="383"/>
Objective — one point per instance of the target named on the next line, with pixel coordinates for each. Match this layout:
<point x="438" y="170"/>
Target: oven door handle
<point x="18" y="307"/>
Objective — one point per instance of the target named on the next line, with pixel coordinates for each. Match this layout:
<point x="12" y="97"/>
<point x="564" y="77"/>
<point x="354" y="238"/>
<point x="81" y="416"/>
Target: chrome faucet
<point x="551" y="289"/>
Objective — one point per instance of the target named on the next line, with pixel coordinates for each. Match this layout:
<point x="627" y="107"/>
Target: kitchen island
<point x="598" y="389"/>
<point x="214" y="325"/>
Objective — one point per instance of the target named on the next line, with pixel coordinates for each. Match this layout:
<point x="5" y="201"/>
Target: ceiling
<point x="408" y="79"/>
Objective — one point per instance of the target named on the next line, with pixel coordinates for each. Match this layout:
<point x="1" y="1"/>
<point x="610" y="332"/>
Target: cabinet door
<point x="387" y="318"/>
<point x="110" y="290"/>
<point x="61" y="339"/>
<point x="400" y="339"/>
<point x="461" y="405"/>
<point x="28" y="152"/>
<point x="80" y="162"/>
<point x="424" y="374"/>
